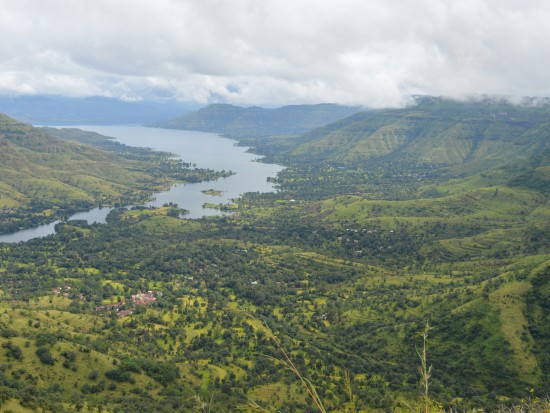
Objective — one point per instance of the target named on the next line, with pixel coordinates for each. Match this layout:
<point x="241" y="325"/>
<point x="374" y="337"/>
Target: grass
<point x="269" y="397"/>
<point x="530" y="404"/>
<point x="510" y="300"/>
<point x="423" y="286"/>
<point x="15" y="406"/>
<point x="496" y="204"/>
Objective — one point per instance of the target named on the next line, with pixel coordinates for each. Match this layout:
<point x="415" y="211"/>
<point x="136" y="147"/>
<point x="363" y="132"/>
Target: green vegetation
<point x="316" y="298"/>
<point x="212" y="192"/>
<point x="332" y="314"/>
<point x="436" y="136"/>
<point x="256" y="122"/>
<point x="44" y="178"/>
<point x="473" y="136"/>
<point x="221" y="207"/>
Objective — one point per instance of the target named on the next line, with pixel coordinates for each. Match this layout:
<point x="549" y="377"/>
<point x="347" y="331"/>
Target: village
<point x="136" y="300"/>
<point x="122" y="308"/>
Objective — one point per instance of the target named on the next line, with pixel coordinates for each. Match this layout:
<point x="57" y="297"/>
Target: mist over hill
<point x="63" y="110"/>
<point x="438" y="131"/>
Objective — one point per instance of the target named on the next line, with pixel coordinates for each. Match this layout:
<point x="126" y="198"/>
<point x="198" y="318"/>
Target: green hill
<point x="343" y="267"/>
<point x="467" y="136"/>
<point x="220" y="285"/>
<point x="43" y="177"/>
<point x="259" y="122"/>
<point x="36" y="166"/>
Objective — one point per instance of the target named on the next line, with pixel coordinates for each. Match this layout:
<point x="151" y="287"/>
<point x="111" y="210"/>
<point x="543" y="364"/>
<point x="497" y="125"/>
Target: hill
<point x="254" y="121"/>
<point x="36" y="165"/>
<point x="73" y="333"/>
<point x="339" y="271"/>
<point x="63" y="110"/>
<point x="43" y="177"/>
<point x="464" y="136"/>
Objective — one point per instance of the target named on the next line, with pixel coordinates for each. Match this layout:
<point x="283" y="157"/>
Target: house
<point x="147" y="298"/>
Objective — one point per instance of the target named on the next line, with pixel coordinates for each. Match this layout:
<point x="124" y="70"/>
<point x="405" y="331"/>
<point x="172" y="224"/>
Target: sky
<point x="375" y="53"/>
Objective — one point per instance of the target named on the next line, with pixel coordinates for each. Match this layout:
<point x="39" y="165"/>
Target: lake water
<point x="206" y="150"/>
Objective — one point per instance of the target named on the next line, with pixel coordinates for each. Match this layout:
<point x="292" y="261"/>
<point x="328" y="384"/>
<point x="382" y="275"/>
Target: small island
<point x="212" y="192"/>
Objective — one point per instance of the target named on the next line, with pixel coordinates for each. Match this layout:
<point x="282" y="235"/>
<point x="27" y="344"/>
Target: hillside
<point x="466" y="136"/>
<point x="254" y="121"/>
<point x="43" y="177"/>
<point x="224" y="289"/>
<point x="36" y="166"/>
<point x="340" y="271"/>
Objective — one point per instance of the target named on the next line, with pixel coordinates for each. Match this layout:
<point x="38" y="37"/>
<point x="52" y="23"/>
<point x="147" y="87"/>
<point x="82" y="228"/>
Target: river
<point x="206" y="150"/>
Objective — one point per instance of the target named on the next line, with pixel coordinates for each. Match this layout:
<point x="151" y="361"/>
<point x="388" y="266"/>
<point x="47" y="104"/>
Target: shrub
<point x="45" y="355"/>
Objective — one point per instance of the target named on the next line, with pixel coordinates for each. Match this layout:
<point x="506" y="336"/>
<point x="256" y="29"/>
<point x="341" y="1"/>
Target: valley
<point x="384" y="221"/>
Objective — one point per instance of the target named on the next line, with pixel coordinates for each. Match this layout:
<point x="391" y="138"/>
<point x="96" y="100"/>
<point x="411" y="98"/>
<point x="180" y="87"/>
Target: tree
<point x="45" y="355"/>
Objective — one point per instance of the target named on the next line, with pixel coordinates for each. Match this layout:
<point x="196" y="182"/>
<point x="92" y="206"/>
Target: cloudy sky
<point x="273" y="52"/>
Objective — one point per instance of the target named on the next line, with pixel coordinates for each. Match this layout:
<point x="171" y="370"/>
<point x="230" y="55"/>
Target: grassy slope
<point x="477" y="267"/>
<point x="36" y="166"/>
<point x="373" y="315"/>
<point x="467" y="136"/>
<point x="499" y="210"/>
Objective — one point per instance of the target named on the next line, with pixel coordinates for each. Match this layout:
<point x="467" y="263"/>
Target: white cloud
<point x="372" y="52"/>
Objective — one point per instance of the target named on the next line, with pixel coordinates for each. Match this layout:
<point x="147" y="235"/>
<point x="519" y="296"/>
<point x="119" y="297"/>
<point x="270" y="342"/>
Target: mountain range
<point x="456" y="137"/>
<point x="63" y="110"/>
<point x="259" y="122"/>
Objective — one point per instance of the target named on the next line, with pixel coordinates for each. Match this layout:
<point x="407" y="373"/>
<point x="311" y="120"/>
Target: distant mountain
<point x="464" y="135"/>
<point x="60" y="110"/>
<point x="259" y="122"/>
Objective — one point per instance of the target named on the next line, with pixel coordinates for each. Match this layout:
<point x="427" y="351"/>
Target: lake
<point x="206" y="150"/>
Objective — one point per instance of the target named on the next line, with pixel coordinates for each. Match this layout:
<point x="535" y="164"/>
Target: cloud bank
<point x="373" y="53"/>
